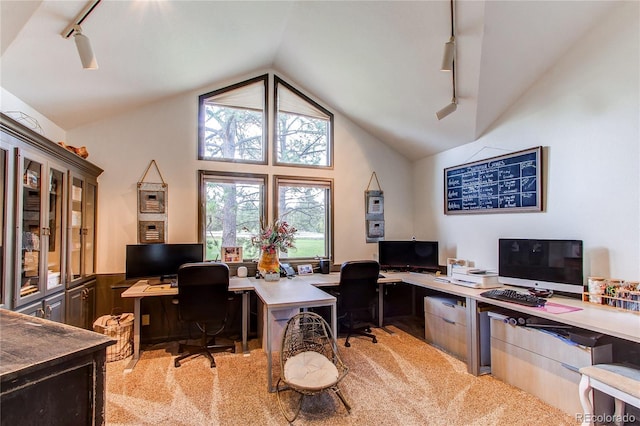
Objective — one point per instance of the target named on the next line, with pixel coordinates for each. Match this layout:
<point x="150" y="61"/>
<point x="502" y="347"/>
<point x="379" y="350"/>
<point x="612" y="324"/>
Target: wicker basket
<point x="120" y="328"/>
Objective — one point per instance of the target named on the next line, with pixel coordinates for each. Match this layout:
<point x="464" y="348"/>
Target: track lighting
<point x="448" y="109"/>
<point x="447" y="58"/>
<point x="83" y="44"/>
<point x="449" y="64"/>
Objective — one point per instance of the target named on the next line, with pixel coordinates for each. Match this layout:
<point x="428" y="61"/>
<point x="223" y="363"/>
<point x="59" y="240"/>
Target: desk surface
<point x="598" y="318"/>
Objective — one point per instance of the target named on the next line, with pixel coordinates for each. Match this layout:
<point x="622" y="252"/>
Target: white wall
<point x="13" y="106"/>
<point x="585" y="112"/>
<point x="167" y="132"/>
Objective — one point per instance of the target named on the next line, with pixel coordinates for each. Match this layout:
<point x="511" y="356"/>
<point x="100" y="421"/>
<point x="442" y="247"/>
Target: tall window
<point x="306" y="203"/>
<point x="304" y="129"/>
<point x="232" y="123"/>
<point x="231" y="206"/>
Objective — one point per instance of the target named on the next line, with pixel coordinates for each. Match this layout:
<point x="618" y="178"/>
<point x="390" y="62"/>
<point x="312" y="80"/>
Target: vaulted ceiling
<point x="376" y="62"/>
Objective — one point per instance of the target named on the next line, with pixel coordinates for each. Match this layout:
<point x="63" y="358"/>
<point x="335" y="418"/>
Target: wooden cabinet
<point x="48" y="221"/>
<point x="540" y="363"/>
<point x="51" y="308"/>
<point x="81" y="305"/>
<point x="50" y="373"/>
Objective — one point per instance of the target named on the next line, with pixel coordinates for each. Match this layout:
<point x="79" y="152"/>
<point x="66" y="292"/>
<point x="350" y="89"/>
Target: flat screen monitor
<point x="160" y="260"/>
<point x="408" y="255"/>
<point x="546" y="264"/>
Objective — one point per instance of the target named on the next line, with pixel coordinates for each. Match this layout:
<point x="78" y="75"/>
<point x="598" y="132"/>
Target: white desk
<point x="143" y="289"/>
<point x="290" y="294"/>
<point x="295" y="292"/>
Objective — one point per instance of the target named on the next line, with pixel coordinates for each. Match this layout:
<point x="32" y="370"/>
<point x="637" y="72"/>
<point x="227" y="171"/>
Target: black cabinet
<point x="50" y="373"/>
<point x="80" y="305"/>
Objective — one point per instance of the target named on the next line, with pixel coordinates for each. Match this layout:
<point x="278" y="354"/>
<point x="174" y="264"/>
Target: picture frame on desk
<point x="305" y="269"/>
<point x="231" y="254"/>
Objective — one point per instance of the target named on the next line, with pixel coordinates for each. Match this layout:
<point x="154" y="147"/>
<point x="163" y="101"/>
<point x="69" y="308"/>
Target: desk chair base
<point x="203" y="348"/>
<point x="353" y="329"/>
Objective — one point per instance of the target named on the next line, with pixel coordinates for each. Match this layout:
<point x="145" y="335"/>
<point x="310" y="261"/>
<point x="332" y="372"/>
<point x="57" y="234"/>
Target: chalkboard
<point x="507" y="183"/>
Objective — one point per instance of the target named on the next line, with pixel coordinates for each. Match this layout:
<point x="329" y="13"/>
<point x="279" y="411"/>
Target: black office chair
<point x="203" y="293"/>
<point x="356" y="297"/>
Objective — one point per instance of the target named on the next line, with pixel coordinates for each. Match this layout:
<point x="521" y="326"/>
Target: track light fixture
<point x="448" y="109"/>
<point x="83" y="44"/>
<point x="449" y="51"/>
<point x="449" y="64"/>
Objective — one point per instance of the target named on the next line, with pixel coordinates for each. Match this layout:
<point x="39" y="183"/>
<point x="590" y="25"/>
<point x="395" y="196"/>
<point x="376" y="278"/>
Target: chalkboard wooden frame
<point x="503" y="184"/>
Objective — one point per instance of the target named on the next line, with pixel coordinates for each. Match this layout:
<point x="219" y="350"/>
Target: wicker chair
<point x="309" y="361"/>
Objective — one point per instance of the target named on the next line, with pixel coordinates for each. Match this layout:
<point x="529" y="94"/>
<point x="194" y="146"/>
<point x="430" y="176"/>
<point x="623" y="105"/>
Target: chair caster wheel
<point x="375" y="340"/>
<point x="176" y="363"/>
<point x="347" y="344"/>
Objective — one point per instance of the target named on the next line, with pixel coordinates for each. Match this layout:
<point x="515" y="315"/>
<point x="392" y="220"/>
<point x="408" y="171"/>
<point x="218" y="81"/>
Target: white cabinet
<point x="541" y="363"/>
<point x="445" y="324"/>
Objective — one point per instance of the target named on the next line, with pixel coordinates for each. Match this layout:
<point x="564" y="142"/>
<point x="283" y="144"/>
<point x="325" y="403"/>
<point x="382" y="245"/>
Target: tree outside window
<point x="233" y="206"/>
<point x="232" y="123"/>
<point x="305" y="203"/>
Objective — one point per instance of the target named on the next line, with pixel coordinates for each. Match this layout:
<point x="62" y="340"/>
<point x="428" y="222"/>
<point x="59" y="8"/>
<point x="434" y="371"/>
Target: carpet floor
<point x="401" y="380"/>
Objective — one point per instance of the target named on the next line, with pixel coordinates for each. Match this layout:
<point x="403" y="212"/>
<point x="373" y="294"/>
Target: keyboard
<point x="508" y="295"/>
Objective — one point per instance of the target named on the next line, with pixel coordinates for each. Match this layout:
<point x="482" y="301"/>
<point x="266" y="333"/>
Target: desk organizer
<point x="612" y="292"/>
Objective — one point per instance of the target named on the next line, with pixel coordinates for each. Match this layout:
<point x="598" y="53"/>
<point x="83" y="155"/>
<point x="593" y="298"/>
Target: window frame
<point x="265" y="117"/>
<point x="208" y="175"/>
<point x="274" y="119"/>
<point x="278" y="180"/>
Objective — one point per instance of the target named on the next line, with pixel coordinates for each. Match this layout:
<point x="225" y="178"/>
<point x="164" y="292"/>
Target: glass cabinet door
<point x="55" y="230"/>
<point x="75" y="262"/>
<point x="30" y="270"/>
<point x="89" y="229"/>
<point x="3" y="227"/>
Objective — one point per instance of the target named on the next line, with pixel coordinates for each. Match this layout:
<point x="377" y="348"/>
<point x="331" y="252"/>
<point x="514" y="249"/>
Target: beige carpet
<point x="401" y="380"/>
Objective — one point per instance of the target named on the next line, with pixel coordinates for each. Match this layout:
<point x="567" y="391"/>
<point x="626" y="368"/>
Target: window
<point x="231" y="206"/>
<point x="306" y="204"/>
<point x="304" y="129"/>
<point x="232" y="123"/>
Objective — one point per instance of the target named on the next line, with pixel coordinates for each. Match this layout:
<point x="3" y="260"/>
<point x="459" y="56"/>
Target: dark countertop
<point x="29" y="343"/>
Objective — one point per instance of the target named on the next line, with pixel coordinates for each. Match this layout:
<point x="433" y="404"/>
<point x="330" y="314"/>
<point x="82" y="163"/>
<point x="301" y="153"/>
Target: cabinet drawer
<point x="449" y="335"/>
<point x="446" y="308"/>
<point x="545" y="378"/>
<point x="549" y="346"/>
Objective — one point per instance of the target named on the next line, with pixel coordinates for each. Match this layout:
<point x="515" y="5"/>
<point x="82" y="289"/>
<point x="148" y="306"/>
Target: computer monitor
<point x="408" y="255"/>
<point x="538" y="263"/>
<point x="160" y="260"/>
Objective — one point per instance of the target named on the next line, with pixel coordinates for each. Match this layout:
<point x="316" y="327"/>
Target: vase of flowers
<point x="273" y="239"/>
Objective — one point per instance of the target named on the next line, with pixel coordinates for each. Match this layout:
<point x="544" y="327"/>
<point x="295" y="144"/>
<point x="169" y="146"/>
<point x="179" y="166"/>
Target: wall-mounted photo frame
<point x="305" y="269"/>
<point x="231" y="254"/>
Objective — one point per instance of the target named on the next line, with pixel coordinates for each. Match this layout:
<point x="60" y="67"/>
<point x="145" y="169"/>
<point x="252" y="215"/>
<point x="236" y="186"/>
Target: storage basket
<point x="120" y="328"/>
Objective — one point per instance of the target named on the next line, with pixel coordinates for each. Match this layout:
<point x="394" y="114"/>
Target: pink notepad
<point x="556" y="308"/>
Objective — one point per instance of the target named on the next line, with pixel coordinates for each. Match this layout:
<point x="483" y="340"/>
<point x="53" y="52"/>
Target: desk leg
<point x="380" y="305"/>
<point x="269" y="360"/>
<point x="334" y="320"/>
<point x="473" y="337"/>
<point x="136" y="336"/>
<point x="245" y="321"/>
